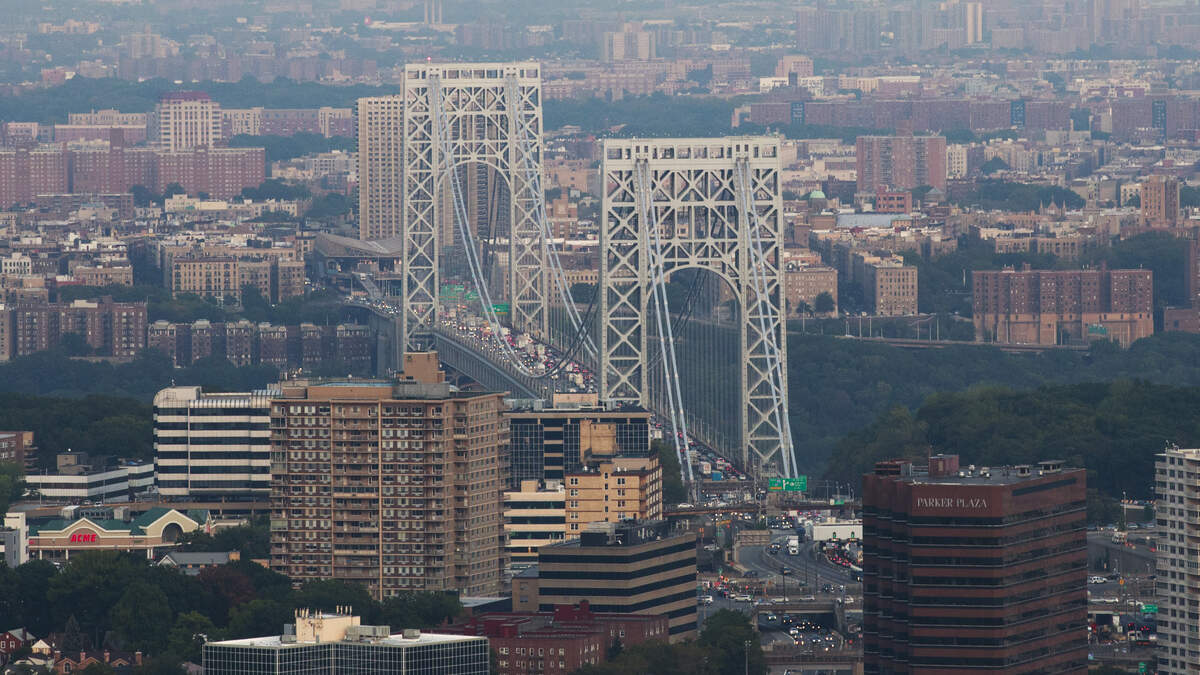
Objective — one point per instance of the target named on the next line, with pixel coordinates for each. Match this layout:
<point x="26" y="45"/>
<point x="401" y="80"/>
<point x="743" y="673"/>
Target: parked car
<point x="742" y="598"/>
<point x="706" y="599"/>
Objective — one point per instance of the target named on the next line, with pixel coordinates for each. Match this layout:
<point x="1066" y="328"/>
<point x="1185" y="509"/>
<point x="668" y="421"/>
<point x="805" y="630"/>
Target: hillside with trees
<point x="1112" y="429"/>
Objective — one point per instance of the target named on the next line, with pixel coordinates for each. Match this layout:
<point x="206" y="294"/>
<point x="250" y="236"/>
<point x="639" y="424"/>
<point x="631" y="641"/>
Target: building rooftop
<point x="397" y="640"/>
<point x="945" y="470"/>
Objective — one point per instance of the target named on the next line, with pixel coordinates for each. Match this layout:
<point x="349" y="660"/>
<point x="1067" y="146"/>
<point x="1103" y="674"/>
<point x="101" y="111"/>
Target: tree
<point x="734" y="643"/>
<point x="98" y="668"/>
<point x="993" y="165"/>
<point x="672" y="480"/>
<point x="12" y="484"/>
<point x="254" y="618"/>
<point x="824" y="303"/>
<point x="142" y="617"/>
<point x="75" y="344"/>
<point x="188" y="635"/>
<point x="173" y="189"/>
<point x="142" y="196"/>
<point x="420" y="609"/>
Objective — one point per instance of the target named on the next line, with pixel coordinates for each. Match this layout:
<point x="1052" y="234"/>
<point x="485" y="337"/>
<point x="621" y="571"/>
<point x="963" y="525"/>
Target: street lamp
<point x="746" y="644"/>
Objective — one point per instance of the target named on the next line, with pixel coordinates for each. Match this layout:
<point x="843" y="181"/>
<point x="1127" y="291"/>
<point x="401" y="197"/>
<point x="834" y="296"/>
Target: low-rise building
<point x="630" y="567"/>
<point x="336" y="643"/>
<point x="151" y="533"/>
<point x="559" y="641"/>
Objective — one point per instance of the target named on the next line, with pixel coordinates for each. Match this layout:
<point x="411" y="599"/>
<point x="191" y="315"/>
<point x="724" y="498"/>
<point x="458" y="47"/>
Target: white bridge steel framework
<point x="493" y="112"/>
<point x="717" y="206"/>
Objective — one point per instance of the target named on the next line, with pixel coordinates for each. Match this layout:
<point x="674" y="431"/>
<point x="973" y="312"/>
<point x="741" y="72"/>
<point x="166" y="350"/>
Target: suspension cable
<point x="663" y="316"/>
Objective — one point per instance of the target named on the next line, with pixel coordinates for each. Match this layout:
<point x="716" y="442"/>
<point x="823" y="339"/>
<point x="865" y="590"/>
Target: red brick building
<point x="975" y="569"/>
<point x="562" y="641"/>
<point x="1061" y="306"/>
<point x="893" y="202"/>
<point x="109" y="328"/>
<point x="887" y="163"/>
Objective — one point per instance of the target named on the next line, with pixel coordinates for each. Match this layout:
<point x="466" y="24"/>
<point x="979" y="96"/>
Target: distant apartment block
<point x="611" y="490"/>
<point x="244" y="343"/>
<point x="325" y="121"/>
<point x="892" y="163"/>
<point x="185" y="120"/>
<point x="631" y="43"/>
<point x="380" y="134"/>
<point x="103" y="168"/>
<point x="889" y="286"/>
<point x="1160" y="202"/>
<point x="1063" y="306"/>
<point x="226" y="276"/>
<point x="108" y="328"/>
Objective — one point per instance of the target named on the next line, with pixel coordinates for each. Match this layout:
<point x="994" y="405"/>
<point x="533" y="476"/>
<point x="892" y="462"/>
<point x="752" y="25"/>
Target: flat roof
<point x="397" y="640"/>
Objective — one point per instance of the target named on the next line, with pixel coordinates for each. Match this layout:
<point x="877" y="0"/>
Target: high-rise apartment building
<point x="1160" y="202"/>
<point x="631" y="43"/>
<point x="637" y="567"/>
<point x="185" y="120"/>
<point x="392" y="484"/>
<point x="1178" y="586"/>
<point x="888" y="163"/>
<point x="1059" y="306"/>
<point x="534" y="515"/>
<point x="109" y="328"/>
<point x="380" y="157"/>
<point x="970" y="569"/>
<point x="548" y="443"/>
<point x="212" y="446"/>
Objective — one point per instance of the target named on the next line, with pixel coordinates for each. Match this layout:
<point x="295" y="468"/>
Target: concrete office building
<point x="213" y="446"/>
<point x="534" y="516"/>
<point x="394" y="484"/>
<point x="979" y="569"/>
<point x="336" y="643"/>
<point x="626" y="568"/>
<point x="548" y="442"/>
<point x="1178" y="586"/>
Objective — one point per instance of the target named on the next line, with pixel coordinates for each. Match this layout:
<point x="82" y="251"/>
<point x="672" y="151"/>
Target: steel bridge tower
<point x="716" y="205"/>
<point x="458" y="114"/>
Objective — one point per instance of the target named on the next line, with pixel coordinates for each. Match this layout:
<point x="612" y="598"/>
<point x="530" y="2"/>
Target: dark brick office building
<point x="974" y="569"/>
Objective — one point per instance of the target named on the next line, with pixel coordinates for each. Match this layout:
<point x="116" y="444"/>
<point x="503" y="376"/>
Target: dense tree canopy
<point x="126" y="602"/>
<point x="837" y="386"/>
<point x="281" y="148"/>
<point x="720" y="650"/>
<point x="1006" y="196"/>
<point x="1113" y="429"/>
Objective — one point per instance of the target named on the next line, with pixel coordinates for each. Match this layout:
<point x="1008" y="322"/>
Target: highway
<point x="808" y="567"/>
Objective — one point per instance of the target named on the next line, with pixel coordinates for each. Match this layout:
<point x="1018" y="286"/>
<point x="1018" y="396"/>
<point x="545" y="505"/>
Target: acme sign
<point x="79" y="538"/>
<point x="952" y="502"/>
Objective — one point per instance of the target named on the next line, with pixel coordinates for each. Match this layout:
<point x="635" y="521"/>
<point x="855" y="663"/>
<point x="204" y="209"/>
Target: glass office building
<point x="423" y="654"/>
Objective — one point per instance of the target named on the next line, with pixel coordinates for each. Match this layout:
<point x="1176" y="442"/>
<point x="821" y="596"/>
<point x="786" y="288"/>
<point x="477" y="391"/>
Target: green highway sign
<point x="1149" y="608"/>
<point x="501" y="308"/>
<point x="799" y="484"/>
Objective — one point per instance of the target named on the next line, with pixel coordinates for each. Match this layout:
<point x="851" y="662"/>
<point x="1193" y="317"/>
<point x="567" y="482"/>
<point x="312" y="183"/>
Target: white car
<point x="706" y="599"/>
<point x="742" y="598"/>
<point x="1096" y="580"/>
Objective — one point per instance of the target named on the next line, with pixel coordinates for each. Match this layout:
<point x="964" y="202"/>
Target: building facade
<point x="547" y="443"/>
<point x="534" y="516"/>
<point x="395" y="485"/>
<point x="980" y="569"/>
<point x="1063" y="306"/>
<point x="891" y="163"/>
<point x="149" y="534"/>
<point x="380" y="140"/>
<point x="1160" y="202"/>
<point x="1177" y="586"/>
<point x="336" y="643"/>
<point x="212" y="446"/>
<point x="612" y="490"/>
<point x="629" y="567"/>
<point x="185" y="120"/>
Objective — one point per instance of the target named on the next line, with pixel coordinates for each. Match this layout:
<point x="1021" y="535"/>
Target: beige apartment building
<point x="380" y="148"/>
<point x="612" y="490"/>
<point x="890" y="287"/>
<point x="226" y="276"/>
<point x="534" y="516"/>
<point x="185" y="120"/>
<point x="393" y="484"/>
